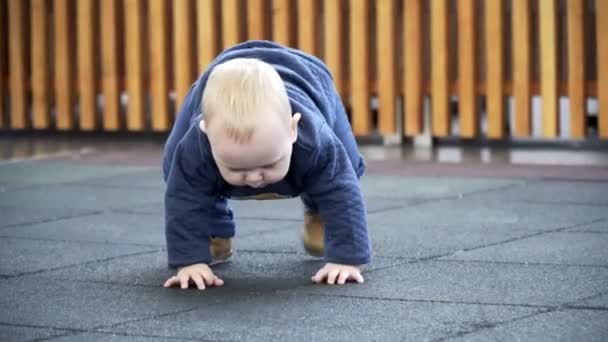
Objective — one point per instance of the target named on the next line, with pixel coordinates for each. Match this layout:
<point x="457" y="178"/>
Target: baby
<point x="264" y="121"/>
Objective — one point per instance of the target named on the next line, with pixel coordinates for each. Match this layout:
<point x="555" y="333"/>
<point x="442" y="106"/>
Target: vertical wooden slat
<point x="182" y="49"/>
<point x="3" y="61"/>
<point x="134" y="69"/>
<point x="87" y="79"/>
<point x="522" y="67"/>
<point x="494" y="69"/>
<point x="548" y="66"/>
<point x="576" y="68"/>
<point x="230" y="23"/>
<point x="40" y="65"/>
<point x="386" y="66"/>
<point x="64" y="95"/>
<point x="256" y="19"/>
<point x="467" y="66"/>
<point x="280" y="21"/>
<point x="359" y="67"/>
<point x="439" y="68"/>
<point x="601" y="12"/>
<point x="334" y="42"/>
<point x="159" y="53"/>
<point x="207" y="23"/>
<point x="17" y="64"/>
<point x="307" y="26"/>
<point x="109" y="65"/>
<point x="413" y="67"/>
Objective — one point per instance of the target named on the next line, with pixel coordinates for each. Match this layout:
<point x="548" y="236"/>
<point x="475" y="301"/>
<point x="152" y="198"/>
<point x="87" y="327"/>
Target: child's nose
<point x="254" y="176"/>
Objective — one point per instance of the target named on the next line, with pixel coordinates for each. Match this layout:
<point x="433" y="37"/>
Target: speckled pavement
<point x="469" y="255"/>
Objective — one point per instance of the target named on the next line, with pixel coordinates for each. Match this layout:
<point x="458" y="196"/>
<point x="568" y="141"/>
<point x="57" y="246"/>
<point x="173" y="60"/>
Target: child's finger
<point x="343" y="277"/>
<point x="200" y="284"/>
<point x="331" y="277"/>
<point x="209" y="279"/>
<point x="317" y="278"/>
<point x="170" y="282"/>
<point x="183" y="279"/>
<point x="218" y="282"/>
<point x="358" y="277"/>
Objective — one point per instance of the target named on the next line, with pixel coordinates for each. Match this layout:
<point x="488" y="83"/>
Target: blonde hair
<point x="238" y="90"/>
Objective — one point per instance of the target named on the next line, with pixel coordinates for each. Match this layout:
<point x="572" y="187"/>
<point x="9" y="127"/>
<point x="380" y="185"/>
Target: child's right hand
<point x="200" y="274"/>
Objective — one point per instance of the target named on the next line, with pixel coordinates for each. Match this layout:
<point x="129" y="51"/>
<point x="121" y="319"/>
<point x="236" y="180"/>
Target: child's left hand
<point x="338" y="271"/>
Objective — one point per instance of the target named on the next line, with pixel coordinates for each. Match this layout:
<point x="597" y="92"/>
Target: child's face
<point x="262" y="160"/>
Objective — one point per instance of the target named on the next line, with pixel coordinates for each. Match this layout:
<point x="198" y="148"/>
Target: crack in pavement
<point x="561" y="307"/>
<point x="58" y="268"/>
<point x="54" y="219"/>
<point x="520" y="263"/>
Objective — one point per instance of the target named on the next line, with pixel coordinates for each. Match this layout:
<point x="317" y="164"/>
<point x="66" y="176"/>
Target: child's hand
<point x="341" y="272"/>
<point x="200" y="274"/>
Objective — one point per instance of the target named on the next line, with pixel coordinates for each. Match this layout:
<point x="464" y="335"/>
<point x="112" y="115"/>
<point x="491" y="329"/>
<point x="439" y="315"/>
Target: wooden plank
<point x="413" y="85"/>
<point x="548" y="66"/>
<point x="134" y="14"/>
<point x="64" y="66"/>
<point x="256" y="19"/>
<point x="159" y="54"/>
<point x="182" y="49"/>
<point x="87" y="77"/>
<point x="40" y="65"/>
<point x="334" y="42"/>
<point x="467" y="68"/>
<point x="206" y="26"/>
<point x="441" y="119"/>
<point x="359" y="67"/>
<point x="3" y="61"/>
<point x="495" y="111"/>
<point x="18" y="110"/>
<point x="385" y="11"/>
<point x="601" y="13"/>
<point x="280" y="21"/>
<point x="109" y="65"/>
<point x="522" y="67"/>
<point x="230" y="23"/>
<point x="307" y="26"/>
<point x="576" y="68"/>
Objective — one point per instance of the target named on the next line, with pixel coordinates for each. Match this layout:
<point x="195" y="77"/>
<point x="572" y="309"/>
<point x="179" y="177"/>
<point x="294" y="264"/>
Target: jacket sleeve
<point x="333" y="186"/>
<point x="193" y="211"/>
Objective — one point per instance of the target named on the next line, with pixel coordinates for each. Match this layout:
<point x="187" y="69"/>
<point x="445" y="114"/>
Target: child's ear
<point x="203" y="126"/>
<point x="293" y="127"/>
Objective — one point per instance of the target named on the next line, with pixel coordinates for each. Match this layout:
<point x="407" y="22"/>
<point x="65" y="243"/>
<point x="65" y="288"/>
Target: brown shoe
<point x="313" y="235"/>
<point x="221" y="250"/>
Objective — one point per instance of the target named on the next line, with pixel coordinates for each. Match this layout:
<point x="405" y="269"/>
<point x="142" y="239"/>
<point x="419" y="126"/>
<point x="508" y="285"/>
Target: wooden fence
<point x="115" y="65"/>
